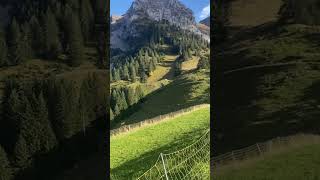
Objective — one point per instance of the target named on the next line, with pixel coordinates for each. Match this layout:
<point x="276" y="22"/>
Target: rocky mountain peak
<point x="171" y="10"/>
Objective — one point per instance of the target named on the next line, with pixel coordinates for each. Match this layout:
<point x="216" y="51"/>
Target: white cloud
<point x="205" y="12"/>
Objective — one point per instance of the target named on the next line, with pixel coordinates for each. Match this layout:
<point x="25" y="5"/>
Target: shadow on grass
<point x="172" y="97"/>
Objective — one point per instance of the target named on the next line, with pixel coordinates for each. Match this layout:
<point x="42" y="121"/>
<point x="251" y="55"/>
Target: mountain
<point x="206" y="21"/>
<point x="204" y="26"/>
<point x="115" y="18"/>
<point x="145" y="12"/>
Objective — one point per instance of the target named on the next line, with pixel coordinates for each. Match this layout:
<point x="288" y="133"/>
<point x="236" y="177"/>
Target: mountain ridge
<point x="145" y="11"/>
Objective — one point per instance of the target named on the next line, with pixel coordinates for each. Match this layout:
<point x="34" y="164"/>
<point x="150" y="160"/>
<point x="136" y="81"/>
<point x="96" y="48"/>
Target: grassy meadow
<point x="135" y="152"/>
<point x="292" y="164"/>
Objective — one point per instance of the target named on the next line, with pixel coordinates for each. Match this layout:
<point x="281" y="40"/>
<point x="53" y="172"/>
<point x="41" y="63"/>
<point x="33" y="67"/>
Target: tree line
<point x="52" y="30"/>
<point x="40" y="115"/>
<point x="124" y="97"/>
<point x="138" y="66"/>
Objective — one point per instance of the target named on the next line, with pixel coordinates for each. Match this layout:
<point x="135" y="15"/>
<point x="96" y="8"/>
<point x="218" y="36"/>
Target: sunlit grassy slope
<point x="295" y="164"/>
<point x="185" y="91"/>
<point x="135" y="152"/>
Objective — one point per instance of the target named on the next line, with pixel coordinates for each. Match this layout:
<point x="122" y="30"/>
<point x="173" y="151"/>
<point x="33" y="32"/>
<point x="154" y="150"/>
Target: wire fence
<point x="259" y="149"/>
<point x="130" y="127"/>
<point x="191" y="162"/>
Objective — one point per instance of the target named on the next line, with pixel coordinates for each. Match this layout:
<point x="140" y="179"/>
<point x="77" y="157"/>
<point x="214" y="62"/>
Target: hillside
<point x="253" y="12"/>
<point x="51" y="68"/>
<point x="134" y="152"/>
<point x="267" y="81"/>
<point x="300" y="161"/>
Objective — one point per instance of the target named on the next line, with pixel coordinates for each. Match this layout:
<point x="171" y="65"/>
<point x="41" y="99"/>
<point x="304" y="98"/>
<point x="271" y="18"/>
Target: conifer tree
<point x="15" y="44"/>
<point x="111" y="114"/>
<point x="53" y="45"/>
<point x="125" y="75"/>
<point x="3" y="51"/>
<point x="21" y="153"/>
<point x="131" y="96"/>
<point x="46" y="133"/>
<point x="5" y="168"/>
<point x="27" y="50"/>
<point x="133" y="75"/>
<point x="87" y="18"/>
<point x="37" y="41"/>
<point x="76" y="50"/>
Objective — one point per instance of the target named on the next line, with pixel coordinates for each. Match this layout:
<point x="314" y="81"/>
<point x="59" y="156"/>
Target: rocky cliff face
<point x="171" y="10"/>
<point x="141" y="11"/>
<point x="206" y="21"/>
<point x="115" y="18"/>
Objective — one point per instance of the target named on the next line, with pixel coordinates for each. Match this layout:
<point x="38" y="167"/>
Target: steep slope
<point x="268" y="85"/>
<point x="135" y="152"/>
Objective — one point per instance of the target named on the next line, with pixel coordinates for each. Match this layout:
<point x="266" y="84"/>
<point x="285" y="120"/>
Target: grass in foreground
<point x="297" y="164"/>
<point x="135" y="152"/>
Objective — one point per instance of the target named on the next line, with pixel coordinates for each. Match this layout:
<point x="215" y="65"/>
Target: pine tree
<point x="131" y="96"/>
<point x="111" y="76"/>
<point x="143" y="77"/>
<point x="3" y="51"/>
<point x="87" y="19"/>
<point x="125" y="75"/>
<point x="15" y="44"/>
<point x="133" y="75"/>
<point x="139" y="92"/>
<point x="75" y="41"/>
<point x="111" y="114"/>
<point x="124" y="103"/>
<point x="21" y="154"/>
<point x="53" y="45"/>
<point x="48" y="139"/>
<point x="27" y="50"/>
<point x="5" y="168"/>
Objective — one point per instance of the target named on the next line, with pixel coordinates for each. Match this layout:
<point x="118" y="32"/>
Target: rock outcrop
<point x="141" y="11"/>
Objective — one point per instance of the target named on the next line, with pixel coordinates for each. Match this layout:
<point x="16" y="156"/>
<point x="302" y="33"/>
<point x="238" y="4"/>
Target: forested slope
<point x="53" y="86"/>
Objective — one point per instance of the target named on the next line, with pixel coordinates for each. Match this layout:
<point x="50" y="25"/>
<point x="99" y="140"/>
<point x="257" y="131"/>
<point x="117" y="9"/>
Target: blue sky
<point x="200" y="8"/>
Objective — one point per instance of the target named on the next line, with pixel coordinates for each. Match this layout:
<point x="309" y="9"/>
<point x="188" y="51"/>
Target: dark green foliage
<point x="204" y="63"/>
<point x="87" y="19"/>
<point x="15" y="45"/>
<point x="51" y="31"/>
<point x="300" y="11"/>
<point x="35" y="134"/>
<point x="21" y="153"/>
<point x="5" y="168"/>
<point x="3" y="51"/>
<point x="75" y="41"/>
<point x="38" y="39"/>
<point x="221" y="11"/>
<point x="124" y="97"/>
<point x="26" y="39"/>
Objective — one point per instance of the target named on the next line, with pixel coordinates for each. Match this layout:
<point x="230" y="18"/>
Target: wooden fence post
<point x="259" y="148"/>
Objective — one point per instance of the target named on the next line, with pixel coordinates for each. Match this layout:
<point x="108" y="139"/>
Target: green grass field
<point x="135" y="152"/>
<point x="297" y="164"/>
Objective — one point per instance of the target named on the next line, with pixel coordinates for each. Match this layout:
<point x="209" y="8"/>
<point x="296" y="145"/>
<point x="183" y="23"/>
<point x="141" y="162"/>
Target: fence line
<point x="130" y="127"/>
<point x="259" y="149"/>
<point x="191" y="162"/>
